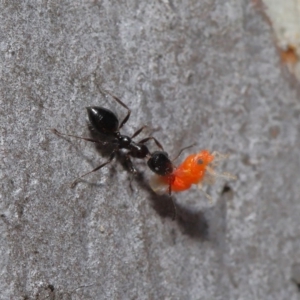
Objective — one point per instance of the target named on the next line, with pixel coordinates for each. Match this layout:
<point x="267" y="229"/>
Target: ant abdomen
<point x="102" y="120"/>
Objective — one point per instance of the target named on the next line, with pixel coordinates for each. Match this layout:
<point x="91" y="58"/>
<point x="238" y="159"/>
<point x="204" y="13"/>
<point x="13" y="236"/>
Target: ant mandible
<point x="105" y="122"/>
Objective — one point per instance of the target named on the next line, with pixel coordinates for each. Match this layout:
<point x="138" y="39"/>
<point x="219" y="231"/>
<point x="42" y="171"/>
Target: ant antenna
<point x="190" y="146"/>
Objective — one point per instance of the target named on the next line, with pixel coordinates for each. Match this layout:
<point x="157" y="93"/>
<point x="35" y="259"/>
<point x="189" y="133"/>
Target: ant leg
<point x="138" y="132"/>
<point x="175" y="210"/>
<point x="181" y="150"/>
<point x="96" y="169"/>
<point x="78" y="137"/>
<point x="129" y="164"/>
<point x="124" y="105"/>
<point x="131" y="169"/>
<point x="151" y="138"/>
<point x="170" y="195"/>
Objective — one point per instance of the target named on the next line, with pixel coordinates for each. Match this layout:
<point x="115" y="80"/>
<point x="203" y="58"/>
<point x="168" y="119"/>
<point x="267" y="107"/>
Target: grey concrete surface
<point x="193" y="71"/>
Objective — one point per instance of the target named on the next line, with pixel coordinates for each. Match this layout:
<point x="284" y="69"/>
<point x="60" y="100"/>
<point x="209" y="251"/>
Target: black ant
<point x="104" y="121"/>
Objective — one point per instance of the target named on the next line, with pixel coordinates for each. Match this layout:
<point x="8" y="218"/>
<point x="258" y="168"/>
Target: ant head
<point x="160" y="164"/>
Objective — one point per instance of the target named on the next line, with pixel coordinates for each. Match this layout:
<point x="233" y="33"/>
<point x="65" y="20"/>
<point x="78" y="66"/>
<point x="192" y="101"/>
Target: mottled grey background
<point x="193" y="71"/>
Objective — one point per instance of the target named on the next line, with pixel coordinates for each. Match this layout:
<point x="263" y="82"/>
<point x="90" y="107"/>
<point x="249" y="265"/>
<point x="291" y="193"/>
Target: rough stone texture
<point x="204" y="71"/>
<point x="284" y="17"/>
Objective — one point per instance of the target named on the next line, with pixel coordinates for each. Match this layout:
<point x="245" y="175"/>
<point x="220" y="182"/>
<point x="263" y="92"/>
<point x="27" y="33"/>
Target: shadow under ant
<point x="191" y="222"/>
<point x="105" y="131"/>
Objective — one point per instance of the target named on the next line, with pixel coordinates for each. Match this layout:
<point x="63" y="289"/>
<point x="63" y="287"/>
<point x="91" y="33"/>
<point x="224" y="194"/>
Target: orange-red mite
<point x="191" y="171"/>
